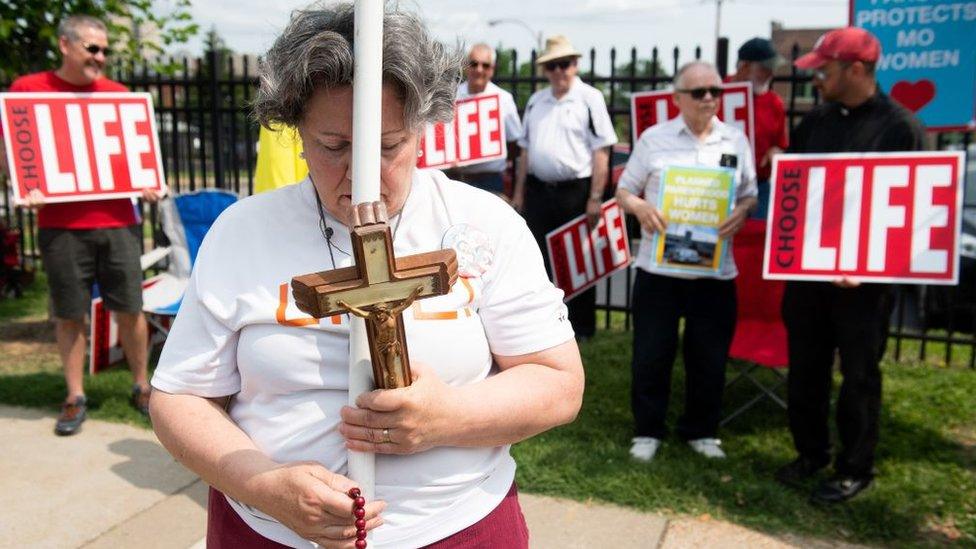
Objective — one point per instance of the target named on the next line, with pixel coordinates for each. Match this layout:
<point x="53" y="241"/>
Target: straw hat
<point x="557" y="47"/>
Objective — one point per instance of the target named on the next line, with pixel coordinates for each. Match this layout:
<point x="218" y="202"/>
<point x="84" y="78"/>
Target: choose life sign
<point x="874" y="217"/>
<point x="74" y="147"/>
<point x="581" y="257"/>
<point x="653" y="107"/>
<point x="476" y="135"/>
<point x="928" y="56"/>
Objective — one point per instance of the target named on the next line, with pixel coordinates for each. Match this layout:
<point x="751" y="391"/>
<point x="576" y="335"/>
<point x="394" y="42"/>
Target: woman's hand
<point x="314" y="502"/>
<point x="400" y="421"/>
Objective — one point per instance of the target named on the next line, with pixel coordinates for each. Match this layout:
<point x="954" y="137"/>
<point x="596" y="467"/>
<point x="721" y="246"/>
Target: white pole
<point x="366" y="109"/>
<point x="367" y="101"/>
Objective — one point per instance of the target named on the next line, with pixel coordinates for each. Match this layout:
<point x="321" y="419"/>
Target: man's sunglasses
<point x="564" y="64"/>
<point x="95" y="48"/>
<point x="475" y="64"/>
<point x="699" y="93"/>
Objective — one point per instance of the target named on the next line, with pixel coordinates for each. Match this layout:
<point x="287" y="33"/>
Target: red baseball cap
<point x="846" y="44"/>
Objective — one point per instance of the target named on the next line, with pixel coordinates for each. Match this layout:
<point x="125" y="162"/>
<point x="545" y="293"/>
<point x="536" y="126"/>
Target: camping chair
<point x="760" y="336"/>
<point x="185" y="220"/>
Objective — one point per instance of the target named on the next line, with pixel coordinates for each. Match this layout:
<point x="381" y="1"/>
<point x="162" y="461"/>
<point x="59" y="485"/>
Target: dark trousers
<point x="820" y="319"/>
<point x="708" y="307"/>
<point x="546" y="207"/>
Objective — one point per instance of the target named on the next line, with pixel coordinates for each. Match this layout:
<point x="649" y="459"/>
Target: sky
<point x="250" y="26"/>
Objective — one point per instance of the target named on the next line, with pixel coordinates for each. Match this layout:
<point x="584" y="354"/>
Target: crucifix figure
<point x="378" y="288"/>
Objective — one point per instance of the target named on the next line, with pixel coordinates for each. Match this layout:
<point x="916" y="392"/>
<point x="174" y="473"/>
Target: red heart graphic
<point x="913" y="95"/>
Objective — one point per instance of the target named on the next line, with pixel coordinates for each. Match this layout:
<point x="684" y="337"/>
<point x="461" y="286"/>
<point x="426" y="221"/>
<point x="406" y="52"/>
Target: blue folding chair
<point x="185" y="219"/>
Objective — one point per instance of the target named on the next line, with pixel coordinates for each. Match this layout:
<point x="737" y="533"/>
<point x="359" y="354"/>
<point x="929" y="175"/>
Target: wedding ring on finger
<point x="386" y="437"/>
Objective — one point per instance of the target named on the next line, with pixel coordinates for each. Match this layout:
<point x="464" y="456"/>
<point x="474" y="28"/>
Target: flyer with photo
<point x="695" y="201"/>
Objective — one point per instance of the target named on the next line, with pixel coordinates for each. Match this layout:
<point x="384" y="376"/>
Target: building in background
<point x="783" y="40"/>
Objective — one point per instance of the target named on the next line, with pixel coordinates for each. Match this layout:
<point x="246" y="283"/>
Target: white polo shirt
<point x="239" y="333"/>
<point x="510" y="118"/>
<point x="671" y="143"/>
<point x="561" y="134"/>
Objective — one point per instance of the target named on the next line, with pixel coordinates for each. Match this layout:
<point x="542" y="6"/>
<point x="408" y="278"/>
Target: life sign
<point x="475" y="135"/>
<point x="654" y="107"/>
<point x="928" y="57"/>
<point x="80" y="146"/>
<point x="581" y="257"/>
<point x="874" y="217"/>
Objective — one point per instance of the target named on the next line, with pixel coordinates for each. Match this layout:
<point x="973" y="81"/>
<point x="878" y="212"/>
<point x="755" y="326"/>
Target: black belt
<point x="551" y="185"/>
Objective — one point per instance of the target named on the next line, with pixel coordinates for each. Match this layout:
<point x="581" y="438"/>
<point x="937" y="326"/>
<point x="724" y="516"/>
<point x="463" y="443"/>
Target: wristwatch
<point x="596" y="196"/>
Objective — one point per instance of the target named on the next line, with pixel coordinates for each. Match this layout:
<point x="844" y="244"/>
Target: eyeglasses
<point x="475" y="64"/>
<point x="95" y="48"/>
<point x="822" y="73"/>
<point x="564" y="64"/>
<point x="699" y="93"/>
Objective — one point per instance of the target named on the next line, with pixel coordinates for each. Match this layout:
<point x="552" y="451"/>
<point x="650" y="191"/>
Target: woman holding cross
<point x="251" y="395"/>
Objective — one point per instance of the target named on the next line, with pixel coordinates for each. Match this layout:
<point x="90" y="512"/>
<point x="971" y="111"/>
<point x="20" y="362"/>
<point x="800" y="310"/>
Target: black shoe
<point x="71" y="417"/>
<point x="140" y="399"/>
<point x="796" y="472"/>
<point x="840" y="488"/>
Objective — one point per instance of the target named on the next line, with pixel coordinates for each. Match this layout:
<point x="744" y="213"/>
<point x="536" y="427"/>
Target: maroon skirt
<point x="503" y="528"/>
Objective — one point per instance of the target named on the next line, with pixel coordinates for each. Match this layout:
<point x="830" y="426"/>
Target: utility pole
<point x="718" y="19"/>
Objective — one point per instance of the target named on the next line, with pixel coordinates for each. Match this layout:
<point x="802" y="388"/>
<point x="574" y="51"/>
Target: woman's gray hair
<point x="316" y="51"/>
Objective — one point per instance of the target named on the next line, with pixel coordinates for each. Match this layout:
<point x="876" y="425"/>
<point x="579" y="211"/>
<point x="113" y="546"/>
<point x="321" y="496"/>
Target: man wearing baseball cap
<point x="843" y="317"/>
<point x="757" y="59"/>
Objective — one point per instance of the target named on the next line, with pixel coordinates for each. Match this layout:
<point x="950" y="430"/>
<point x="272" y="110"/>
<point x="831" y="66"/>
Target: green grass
<point x="32" y="304"/>
<point x="925" y="493"/>
<point x="30" y="370"/>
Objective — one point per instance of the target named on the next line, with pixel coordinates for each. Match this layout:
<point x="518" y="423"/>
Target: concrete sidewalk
<point x="114" y="486"/>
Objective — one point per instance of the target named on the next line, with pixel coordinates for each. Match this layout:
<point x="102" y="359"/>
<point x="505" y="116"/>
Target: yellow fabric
<point x="279" y="163"/>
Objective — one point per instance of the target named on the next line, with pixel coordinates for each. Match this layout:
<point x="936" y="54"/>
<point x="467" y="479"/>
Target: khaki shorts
<point x="76" y="259"/>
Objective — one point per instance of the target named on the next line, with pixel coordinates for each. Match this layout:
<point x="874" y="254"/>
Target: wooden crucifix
<point x="378" y="288"/>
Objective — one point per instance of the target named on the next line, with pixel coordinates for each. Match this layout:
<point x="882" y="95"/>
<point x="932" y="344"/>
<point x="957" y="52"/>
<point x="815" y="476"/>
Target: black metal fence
<point x="209" y="140"/>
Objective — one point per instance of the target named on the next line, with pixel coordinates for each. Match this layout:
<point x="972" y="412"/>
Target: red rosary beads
<point x="359" y="511"/>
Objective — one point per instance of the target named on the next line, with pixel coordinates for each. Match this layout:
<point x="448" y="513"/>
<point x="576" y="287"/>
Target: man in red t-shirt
<point x="757" y="60"/>
<point x="87" y="242"/>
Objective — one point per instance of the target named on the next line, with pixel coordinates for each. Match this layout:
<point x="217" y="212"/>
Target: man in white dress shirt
<point x="479" y="69"/>
<point x="565" y="159"/>
<point x="661" y="298"/>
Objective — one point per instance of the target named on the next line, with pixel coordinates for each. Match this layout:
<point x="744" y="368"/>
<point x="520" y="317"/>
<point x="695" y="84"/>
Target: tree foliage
<point x="29" y="29"/>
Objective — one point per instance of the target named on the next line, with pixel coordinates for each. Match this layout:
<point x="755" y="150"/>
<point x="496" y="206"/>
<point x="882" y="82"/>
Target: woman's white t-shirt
<point x="239" y="333"/>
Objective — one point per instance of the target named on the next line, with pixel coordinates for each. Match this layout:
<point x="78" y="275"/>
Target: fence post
<point x="215" y="127"/>
<point x="722" y="56"/>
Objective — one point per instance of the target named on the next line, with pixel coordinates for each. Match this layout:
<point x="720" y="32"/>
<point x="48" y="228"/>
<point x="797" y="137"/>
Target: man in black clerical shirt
<point x="843" y="316"/>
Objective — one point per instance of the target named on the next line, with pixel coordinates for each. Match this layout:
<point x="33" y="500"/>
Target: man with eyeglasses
<point x="479" y="70"/>
<point x="844" y="318"/>
<point x="565" y="160"/>
<point x="661" y="298"/>
<point x="86" y="242"/>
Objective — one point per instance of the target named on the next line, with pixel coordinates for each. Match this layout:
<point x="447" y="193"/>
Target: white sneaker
<point x="644" y="448"/>
<point x="708" y="447"/>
